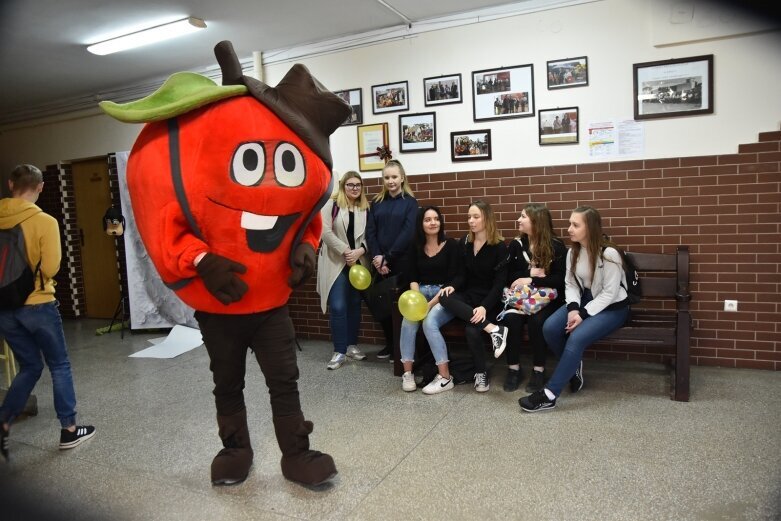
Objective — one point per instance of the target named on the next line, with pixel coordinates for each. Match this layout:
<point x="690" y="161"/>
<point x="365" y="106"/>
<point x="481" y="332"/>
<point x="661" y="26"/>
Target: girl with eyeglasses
<point x="343" y="246"/>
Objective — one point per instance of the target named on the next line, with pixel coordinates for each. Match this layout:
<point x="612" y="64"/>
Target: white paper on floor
<point x="180" y="340"/>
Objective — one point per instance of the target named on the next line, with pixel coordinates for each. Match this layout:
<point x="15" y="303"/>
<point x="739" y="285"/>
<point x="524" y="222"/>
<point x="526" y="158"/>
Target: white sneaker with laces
<point x="355" y="353"/>
<point x="336" y="361"/>
<point x="499" y="341"/>
<point x="481" y="383"/>
<point x="438" y="385"/>
<point x="408" y="382"/>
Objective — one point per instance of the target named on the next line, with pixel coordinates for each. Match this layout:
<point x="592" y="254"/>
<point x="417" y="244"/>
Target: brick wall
<point x="726" y="208"/>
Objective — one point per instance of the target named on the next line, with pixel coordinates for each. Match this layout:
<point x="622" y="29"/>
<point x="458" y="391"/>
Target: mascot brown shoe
<point x="231" y="466"/>
<point x="308" y="467"/>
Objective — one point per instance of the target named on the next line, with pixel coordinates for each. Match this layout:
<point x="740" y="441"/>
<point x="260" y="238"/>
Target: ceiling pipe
<point x="396" y="12"/>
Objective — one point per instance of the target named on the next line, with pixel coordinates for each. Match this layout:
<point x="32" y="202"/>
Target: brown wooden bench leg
<point x="681" y="378"/>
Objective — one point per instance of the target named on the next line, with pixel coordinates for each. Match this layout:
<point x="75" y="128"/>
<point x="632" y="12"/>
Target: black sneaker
<point x="576" y="382"/>
<point x="384" y="353"/>
<point x="513" y="380"/>
<point x="68" y="439"/>
<point x="499" y="341"/>
<point x="536" y="382"/>
<point x="538" y="401"/>
<point x="3" y="443"/>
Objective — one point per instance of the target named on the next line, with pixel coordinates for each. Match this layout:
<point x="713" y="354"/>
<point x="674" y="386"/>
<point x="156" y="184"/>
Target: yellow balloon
<point x="359" y="277"/>
<point x="413" y="305"/>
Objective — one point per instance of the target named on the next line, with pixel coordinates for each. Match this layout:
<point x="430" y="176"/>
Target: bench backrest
<point x="663" y="275"/>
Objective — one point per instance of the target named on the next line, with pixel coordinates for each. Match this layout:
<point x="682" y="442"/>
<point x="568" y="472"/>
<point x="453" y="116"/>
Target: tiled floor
<point x="620" y="449"/>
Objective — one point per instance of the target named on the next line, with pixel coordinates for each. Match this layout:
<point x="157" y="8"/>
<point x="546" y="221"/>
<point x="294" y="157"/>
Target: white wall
<point x="614" y="34"/>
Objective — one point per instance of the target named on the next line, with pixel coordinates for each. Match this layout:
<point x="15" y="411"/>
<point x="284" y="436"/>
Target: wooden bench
<point x="663" y="278"/>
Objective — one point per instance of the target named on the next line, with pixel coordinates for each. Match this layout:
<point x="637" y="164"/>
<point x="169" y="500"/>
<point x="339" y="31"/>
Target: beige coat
<point x="330" y="260"/>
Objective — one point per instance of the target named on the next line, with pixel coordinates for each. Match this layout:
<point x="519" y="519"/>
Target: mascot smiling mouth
<point x="265" y="232"/>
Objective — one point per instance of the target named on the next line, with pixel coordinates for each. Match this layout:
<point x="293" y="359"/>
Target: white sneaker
<point x="355" y="353"/>
<point x="336" y="361"/>
<point x="481" y="383"/>
<point x="499" y="341"/>
<point x="408" y="382"/>
<point x="438" y="384"/>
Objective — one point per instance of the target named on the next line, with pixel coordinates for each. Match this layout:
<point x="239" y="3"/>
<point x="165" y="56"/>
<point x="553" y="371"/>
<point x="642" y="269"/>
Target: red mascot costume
<point x="226" y="184"/>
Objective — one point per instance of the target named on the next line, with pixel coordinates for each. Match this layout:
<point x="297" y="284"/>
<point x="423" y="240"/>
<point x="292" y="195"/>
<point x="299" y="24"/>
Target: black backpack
<point x="17" y="280"/>
<point x="633" y="293"/>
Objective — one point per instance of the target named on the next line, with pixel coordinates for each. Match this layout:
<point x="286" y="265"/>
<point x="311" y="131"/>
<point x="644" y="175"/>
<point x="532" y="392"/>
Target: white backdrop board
<point x="152" y="304"/>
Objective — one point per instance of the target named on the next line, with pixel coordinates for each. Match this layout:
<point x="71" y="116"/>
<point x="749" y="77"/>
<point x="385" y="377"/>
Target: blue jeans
<point x="570" y="347"/>
<point x="32" y="331"/>
<point x="435" y="319"/>
<point x="344" y="303"/>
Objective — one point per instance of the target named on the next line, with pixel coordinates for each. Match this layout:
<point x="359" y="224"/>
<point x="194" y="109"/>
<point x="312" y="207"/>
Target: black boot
<point x="309" y="467"/>
<point x="231" y="465"/>
<point x="512" y="380"/>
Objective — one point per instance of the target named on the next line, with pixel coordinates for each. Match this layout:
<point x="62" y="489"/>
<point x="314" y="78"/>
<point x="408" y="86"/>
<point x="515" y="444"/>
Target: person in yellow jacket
<point x="34" y="330"/>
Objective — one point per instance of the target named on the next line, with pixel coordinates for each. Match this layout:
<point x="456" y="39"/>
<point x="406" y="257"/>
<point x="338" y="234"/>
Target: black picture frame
<point x="443" y="90"/>
<point x="390" y="97"/>
<point x="567" y="73"/>
<point x="418" y="132"/>
<point x="673" y="88"/>
<point x="354" y="97"/>
<point x="477" y="143"/>
<point x="502" y="93"/>
<point x="559" y="126"/>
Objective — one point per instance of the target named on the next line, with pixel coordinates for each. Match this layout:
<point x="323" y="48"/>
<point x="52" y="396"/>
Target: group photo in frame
<point x="390" y="97"/>
<point x="566" y="73"/>
<point x="672" y="88"/>
<point x="353" y="98"/>
<point x="442" y="90"/>
<point x="506" y="92"/>
<point x="470" y="145"/>
<point x="418" y="132"/>
<point x="559" y="126"/>
<point x="370" y="139"/>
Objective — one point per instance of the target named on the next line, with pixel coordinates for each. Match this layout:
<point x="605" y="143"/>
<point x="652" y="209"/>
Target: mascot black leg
<point x="275" y="349"/>
<point x="226" y="341"/>
<point x="231" y="465"/>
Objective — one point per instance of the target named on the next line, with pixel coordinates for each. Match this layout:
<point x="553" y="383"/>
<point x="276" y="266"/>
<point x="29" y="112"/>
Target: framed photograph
<point x="354" y="98"/>
<point x="470" y="145"/>
<point x="442" y="90"/>
<point x="418" y="132"/>
<point x="370" y="139"/>
<point x="672" y="88"/>
<point x="570" y="72"/>
<point x="503" y="93"/>
<point x="391" y="97"/>
<point x="559" y="126"/>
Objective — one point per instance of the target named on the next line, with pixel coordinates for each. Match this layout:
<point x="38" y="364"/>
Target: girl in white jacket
<point x="344" y="236"/>
<point x="596" y="306"/>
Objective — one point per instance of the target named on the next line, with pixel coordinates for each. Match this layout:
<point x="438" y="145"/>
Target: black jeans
<point x="271" y="337"/>
<point x="461" y="306"/>
<point x="514" y="323"/>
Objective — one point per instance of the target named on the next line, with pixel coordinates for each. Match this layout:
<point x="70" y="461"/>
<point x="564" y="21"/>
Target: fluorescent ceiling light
<point x="147" y="36"/>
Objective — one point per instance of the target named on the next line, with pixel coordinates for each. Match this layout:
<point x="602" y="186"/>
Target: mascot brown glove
<point x="303" y="265"/>
<point x="218" y="274"/>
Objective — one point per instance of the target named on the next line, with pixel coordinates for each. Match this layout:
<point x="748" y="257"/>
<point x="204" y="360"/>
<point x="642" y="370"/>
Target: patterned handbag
<point x="526" y="300"/>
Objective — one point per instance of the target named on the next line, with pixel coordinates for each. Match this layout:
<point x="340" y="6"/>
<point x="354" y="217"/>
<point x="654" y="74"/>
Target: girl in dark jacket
<point x="536" y="257"/>
<point x="476" y="293"/>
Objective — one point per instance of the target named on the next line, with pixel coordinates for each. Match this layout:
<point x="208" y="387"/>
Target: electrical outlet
<point x="730" y="305"/>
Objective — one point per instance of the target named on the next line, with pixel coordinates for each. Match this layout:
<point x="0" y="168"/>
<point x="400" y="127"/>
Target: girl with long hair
<point x="432" y="265"/>
<point x="477" y="292"/>
<point x="390" y="229"/>
<point x="343" y="246"/>
<point x="597" y="305"/>
<point x="537" y="257"/>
